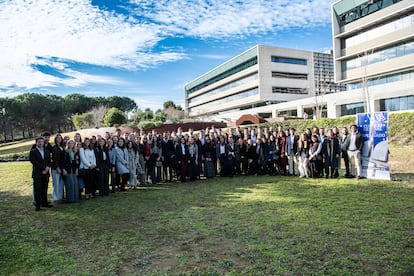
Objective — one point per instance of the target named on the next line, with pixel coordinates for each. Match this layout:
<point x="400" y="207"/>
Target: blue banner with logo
<point x="374" y="130"/>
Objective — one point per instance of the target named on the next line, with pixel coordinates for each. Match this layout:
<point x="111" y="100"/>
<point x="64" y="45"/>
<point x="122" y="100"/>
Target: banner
<point x="374" y="130"/>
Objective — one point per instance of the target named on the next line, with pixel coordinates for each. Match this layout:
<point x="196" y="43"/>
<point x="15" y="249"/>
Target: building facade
<point x="371" y="69"/>
<point x="261" y="81"/>
<point x="373" y="45"/>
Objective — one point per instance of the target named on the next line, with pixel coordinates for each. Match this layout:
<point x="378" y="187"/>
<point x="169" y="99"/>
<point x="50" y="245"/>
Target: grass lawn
<point x="242" y="225"/>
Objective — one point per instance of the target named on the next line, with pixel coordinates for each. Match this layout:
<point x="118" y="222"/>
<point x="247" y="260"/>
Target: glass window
<point x="226" y="87"/>
<point x="351" y="109"/>
<point x="410" y="102"/>
<point x="206" y="106"/>
<point x="289" y="60"/>
<point x="368" y="7"/>
<point x="378" y="31"/>
<point x="397" y="104"/>
<point x="378" y="56"/>
<point x="289" y="75"/>
<point x="224" y="75"/>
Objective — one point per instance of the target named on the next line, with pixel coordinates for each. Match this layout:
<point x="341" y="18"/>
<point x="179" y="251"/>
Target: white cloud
<point x="61" y="33"/>
<point x="70" y="30"/>
<point x="217" y="18"/>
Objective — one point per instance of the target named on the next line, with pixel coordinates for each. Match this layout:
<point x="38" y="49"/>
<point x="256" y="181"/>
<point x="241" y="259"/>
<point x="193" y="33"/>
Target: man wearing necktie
<point x="40" y="159"/>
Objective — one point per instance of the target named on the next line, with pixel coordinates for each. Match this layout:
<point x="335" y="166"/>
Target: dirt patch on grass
<point x="216" y="254"/>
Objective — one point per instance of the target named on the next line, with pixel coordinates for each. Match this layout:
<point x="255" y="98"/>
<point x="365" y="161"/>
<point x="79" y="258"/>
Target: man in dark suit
<point x="168" y="153"/>
<point x="40" y="159"/>
<point x="46" y="145"/>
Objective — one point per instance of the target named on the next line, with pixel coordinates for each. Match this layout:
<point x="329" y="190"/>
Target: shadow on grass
<point x="402" y="176"/>
<point x="265" y="225"/>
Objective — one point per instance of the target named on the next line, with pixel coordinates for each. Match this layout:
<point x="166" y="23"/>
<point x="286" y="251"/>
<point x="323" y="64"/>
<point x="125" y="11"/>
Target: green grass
<point x="242" y="225"/>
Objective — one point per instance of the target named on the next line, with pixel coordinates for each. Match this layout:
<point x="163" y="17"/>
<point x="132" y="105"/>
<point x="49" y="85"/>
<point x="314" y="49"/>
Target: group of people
<point x="98" y="165"/>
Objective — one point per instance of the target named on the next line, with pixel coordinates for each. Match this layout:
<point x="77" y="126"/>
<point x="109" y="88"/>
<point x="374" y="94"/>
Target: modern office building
<point x="372" y="68"/>
<point x="373" y="45"/>
<point x="262" y="80"/>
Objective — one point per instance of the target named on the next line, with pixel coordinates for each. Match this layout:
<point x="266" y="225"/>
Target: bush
<point x="114" y="116"/>
<point x="146" y="125"/>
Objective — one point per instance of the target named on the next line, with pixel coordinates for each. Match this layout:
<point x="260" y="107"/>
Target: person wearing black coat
<point x="331" y="152"/>
<point x="103" y="163"/>
<point x="183" y="157"/>
<point x="71" y="169"/>
<point x="41" y="161"/>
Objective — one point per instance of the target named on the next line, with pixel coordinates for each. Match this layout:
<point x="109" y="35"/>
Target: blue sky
<point x="146" y="50"/>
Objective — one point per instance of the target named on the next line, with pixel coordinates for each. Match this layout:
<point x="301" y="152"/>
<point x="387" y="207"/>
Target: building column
<point x="332" y="109"/>
<point x="274" y="113"/>
<point x="375" y="105"/>
<point x="299" y="111"/>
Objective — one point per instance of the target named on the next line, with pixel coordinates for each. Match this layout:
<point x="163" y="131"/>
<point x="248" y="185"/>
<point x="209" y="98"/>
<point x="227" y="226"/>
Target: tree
<point x="136" y="116"/>
<point x="99" y="101"/>
<point x="6" y="119"/>
<point x="160" y="117"/>
<point x="114" y="116"/>
<point x="98" y="115"/>
<point x="123" y="103"/>
<point x="33" y="113"/>
<point x="168" y="104"/>
<point x="364" y="58"/>
<point x="173" y="114"/>
<point x="56" y="113"/>
<point x="84" y="120"/>
<point x="147" y="114"/>
<point x="146" y="124"/>
<point x="78" y="103"/>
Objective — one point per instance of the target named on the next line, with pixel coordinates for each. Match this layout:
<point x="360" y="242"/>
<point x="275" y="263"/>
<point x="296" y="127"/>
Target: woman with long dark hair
<point x="133" y="161"/>
<point x="122" y="164"/>
<point x="102" y="166"/>
<point x="314" y="156"/>
<point x="112" y="164"/>
<point x="87" y="167"/>
<point x="193" y="155"/>
<point x="58" y="169"/>
<point x="208" y="153"/>
<point x="155" y="156"/>
<point x="282" y="162"/>
<point x="72" y="169"/>
<point x="181" y="152"/>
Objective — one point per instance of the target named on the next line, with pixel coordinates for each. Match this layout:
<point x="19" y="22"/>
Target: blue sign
<point x="374" y="156"/>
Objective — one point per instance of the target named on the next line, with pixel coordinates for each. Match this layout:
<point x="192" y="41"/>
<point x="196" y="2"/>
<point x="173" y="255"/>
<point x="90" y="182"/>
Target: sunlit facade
<point x="373" y="43"/>
<point x="261" y="81"/>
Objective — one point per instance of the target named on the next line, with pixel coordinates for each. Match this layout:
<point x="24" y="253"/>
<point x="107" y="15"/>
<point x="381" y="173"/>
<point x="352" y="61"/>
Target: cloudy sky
<point x="146" y="50"/>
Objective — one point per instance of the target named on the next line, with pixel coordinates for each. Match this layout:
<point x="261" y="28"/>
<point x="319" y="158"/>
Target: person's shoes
<point x="358" y="177"/>
<point x="37" y="208"/>
<point x="47" y="205"/>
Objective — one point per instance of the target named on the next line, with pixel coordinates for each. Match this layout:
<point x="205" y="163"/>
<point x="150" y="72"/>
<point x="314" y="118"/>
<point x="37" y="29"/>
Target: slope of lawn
<point x="241" y="225"/>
